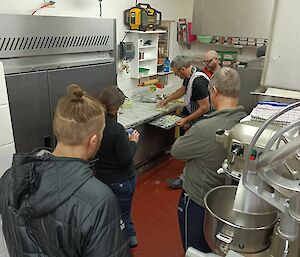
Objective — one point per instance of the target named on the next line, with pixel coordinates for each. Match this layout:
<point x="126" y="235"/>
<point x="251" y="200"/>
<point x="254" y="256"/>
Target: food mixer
<point x="259" y="217"/>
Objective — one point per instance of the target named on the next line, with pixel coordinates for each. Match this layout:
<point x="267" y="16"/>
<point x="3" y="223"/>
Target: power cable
<point x="43" y="6"/>
<point x="125" y="36"/>
<point x="100" y="6"/>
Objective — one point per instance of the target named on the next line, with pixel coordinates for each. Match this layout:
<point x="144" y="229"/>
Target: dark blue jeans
<point x="191" y="218"/>
<point x="124" y="191"/>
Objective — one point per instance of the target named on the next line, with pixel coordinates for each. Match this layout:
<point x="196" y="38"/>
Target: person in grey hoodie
<point x="50" y="202"/>
<point x="203" y="156"/>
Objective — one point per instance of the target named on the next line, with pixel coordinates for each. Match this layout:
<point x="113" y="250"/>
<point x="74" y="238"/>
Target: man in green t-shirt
<point x="203" y="156"/>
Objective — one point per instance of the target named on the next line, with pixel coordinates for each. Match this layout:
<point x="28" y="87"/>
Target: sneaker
<point x="133" y="242"/>
<point x="174" y="183"/>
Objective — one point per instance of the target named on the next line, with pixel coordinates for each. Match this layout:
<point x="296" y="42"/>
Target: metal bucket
<point x="227" y="230"/>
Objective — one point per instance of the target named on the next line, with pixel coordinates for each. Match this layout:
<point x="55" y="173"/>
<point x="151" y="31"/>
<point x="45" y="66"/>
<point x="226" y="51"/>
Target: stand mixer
<point x="260" y="217"/>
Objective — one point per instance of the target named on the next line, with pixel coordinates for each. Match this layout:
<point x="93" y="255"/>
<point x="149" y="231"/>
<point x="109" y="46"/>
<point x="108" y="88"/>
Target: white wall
<point x="282" y="62"/>
<point x="7" y="146"/>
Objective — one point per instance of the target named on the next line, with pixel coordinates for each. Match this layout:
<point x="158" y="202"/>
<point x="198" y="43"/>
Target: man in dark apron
<point x="196" y="98"/>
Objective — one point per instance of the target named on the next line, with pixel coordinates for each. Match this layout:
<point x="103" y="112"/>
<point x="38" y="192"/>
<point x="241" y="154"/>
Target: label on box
<point x="260" y="40"/>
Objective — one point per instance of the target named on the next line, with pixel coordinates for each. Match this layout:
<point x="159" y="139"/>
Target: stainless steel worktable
<point x="139" y="112"/>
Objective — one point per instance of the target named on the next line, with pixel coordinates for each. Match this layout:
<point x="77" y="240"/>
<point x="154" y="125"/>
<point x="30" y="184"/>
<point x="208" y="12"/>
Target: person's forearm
<point x="177" y="94"/>
<point x="197" y="114"/>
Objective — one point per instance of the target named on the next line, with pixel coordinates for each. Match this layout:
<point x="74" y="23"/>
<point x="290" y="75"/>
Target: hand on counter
<point x="134" y="136"/>
<point x="162" y="103"/>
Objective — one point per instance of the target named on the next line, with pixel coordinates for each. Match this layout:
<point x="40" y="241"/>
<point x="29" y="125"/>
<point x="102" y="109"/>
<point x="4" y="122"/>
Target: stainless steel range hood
<point x="41" y="56"/>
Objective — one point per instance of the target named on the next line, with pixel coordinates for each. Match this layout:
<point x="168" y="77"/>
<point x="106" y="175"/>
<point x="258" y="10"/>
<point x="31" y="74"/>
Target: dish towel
<point x="189" y="90"/>
<point x="265" y="109"/>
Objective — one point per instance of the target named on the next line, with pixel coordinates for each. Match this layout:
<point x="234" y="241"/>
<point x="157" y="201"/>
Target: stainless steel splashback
<point x="233" y="18"/>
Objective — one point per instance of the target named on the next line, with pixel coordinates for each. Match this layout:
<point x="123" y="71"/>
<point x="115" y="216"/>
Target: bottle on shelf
<point x="167" y="65"/>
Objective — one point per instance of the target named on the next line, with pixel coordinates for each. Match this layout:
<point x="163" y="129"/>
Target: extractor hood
<point x="233" y="18"/>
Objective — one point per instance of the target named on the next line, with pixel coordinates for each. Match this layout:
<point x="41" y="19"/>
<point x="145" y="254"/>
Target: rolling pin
<point x="149" y="82"/>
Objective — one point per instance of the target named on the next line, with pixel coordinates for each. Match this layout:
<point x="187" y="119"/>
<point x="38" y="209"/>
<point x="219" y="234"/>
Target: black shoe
<point x="174" y="183"/>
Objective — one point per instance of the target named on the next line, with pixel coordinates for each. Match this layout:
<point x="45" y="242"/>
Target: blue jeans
<point x="124" y="191"/>
<point x="191" y="218"/>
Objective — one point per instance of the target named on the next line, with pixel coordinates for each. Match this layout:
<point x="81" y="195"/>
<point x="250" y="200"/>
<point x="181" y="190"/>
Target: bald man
<point x="211" y="61"/>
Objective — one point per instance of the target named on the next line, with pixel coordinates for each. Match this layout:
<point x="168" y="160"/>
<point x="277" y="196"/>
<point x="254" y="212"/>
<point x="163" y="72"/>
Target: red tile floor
<point x="154" y="212"/>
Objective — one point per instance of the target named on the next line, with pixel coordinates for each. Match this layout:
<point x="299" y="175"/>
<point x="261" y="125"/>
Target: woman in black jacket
<point x="115" y="166"/>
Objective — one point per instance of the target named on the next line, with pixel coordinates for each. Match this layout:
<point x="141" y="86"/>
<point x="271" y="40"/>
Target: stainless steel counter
<point x="140" y="113"/>
<point x="136" y="112"/>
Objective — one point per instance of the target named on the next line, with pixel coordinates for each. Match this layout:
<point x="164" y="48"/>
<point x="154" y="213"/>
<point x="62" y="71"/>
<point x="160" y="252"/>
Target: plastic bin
<point x="144" y="71"/>
<point x="227" y="58"/>
<point x="205" y="39"/>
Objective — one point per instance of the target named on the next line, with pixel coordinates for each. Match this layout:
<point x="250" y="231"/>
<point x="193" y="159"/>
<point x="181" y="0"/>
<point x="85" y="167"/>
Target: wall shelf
<point x="153" y="75"/>
<point x="146" y="32"/>
<point x="217" y="45"/>
<point x="147" y="46"/>
<point x="147" y="59"/>
<point x="164" y="73"/>
<point x="147" y="53"/>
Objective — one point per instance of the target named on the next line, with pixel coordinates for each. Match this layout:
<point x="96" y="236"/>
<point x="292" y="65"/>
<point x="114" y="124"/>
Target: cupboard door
<point x="30" y="111"/>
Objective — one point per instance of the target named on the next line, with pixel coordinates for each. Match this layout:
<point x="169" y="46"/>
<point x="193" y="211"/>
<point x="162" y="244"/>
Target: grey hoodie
<point x="202" y="155"/>
<point x="53" y="206"/>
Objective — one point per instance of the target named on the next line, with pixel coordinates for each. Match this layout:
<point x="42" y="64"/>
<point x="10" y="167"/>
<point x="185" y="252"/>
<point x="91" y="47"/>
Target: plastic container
<point x="205" y="39"/>
<point x="191" y="37"/>
<point x="160" y="67"/>
<point x="167" y="65"/>
<point x="144" y="71"/>
<point x="227" y="58"/>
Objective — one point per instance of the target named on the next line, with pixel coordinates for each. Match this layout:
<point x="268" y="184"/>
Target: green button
<point x="253" y="152"/>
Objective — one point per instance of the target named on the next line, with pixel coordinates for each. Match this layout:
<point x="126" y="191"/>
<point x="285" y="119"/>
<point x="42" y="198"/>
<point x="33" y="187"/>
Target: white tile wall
<point x="2" y="243"/>
<point x="6" y="135"/>
<point x="3" y="92"/>
<point x="7" y="146"/>
<point x="4" y="254"/>
<point x="6" y="154"/>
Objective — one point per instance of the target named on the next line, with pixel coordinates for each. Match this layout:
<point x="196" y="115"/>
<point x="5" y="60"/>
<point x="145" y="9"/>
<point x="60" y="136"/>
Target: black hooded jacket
<point x="53" y="206"/>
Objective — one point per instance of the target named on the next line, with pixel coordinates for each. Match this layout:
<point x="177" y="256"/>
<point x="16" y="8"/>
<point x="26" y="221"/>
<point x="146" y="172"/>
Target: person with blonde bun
<point x="50" y="202"/>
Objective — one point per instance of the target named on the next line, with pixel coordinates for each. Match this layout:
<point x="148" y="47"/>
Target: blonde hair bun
<point x="75" y="90"/>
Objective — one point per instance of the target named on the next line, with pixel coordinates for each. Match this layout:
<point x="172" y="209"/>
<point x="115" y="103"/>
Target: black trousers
<point x="191" y="223"/>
